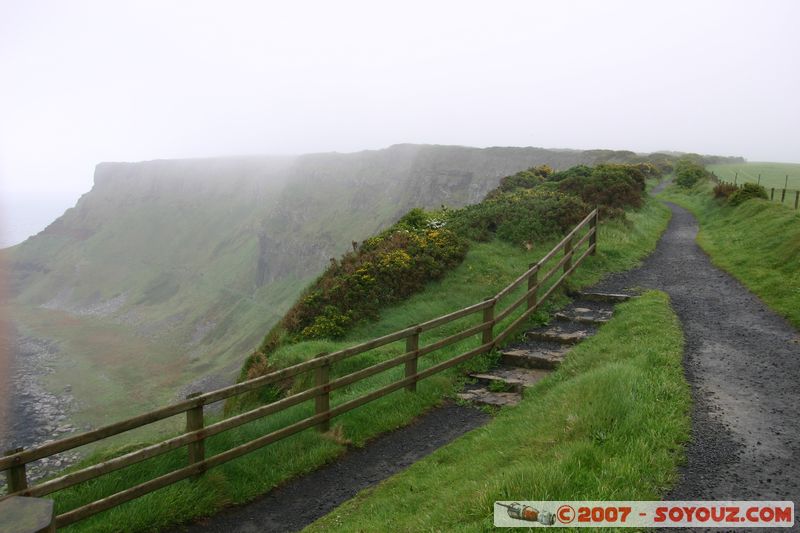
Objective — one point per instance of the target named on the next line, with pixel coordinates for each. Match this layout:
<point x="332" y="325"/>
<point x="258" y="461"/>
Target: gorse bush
<point x="688" y="171"/>
<point x="520" y="217"/>
<point x="385" y="269"/>
<point x="580" y="171"/>
<point x="612" y="187"/>
<point x="748" y="191"/>
<point x="527" y="179"/>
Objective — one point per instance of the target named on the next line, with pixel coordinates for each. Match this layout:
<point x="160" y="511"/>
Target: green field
<point x="608" y="425"/>
<point x="487" y="268"/>
<point x="772" y="174"/>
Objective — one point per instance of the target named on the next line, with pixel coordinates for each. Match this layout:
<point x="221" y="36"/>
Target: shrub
<point x="663" y="164"/>
<point x="688" y="172"/>
<point x="385" y="269"/>
<point x="413" y="220"/>
<point x="613" y="187"/>
<point x="577" y="171"/>
<point x="747" y="192"/>
<point x="527" y="179"/>
<point x="724" y="190"/>
<point x="520" y="217"/>
<point x="648" y="169"/>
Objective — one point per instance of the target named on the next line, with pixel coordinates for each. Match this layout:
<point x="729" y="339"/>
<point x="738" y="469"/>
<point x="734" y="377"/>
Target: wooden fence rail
<point x="14" y="462"/>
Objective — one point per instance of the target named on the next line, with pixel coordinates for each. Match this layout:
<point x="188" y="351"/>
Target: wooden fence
<point x="793" y="195"/>
<point x="15" y="461"/>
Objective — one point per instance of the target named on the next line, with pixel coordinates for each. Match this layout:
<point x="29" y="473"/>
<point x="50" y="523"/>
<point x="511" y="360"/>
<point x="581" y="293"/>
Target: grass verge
<point x="608" y="425"/>
<point x="487" y="268"/>
<point x="757" y="242"/>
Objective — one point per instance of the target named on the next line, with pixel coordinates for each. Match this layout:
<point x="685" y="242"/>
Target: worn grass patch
<point x="757" y="242"/>
<point x="609" y="424"/>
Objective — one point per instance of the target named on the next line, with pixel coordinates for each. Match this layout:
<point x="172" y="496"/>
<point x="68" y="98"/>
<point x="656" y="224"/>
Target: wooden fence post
<point x="567" y="250"/>
<point x="772" y="195"/>
<point x="796" y="198"/>
<point x="593" y="225"/>
<point x="194" y="422"/>
<point x="16" y="477"/>
<point x="322" y="402"/>
<point x="533" y="281"/>
<point x="488" y="316"/>
<point x="412" y="346"/>
<point x="783" y="195"/>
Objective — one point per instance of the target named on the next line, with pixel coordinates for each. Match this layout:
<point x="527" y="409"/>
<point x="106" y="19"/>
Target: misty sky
<point x="84" y="82"/>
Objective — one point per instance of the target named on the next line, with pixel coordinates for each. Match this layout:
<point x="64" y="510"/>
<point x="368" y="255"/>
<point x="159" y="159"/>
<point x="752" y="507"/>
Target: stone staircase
<point x="524" y="364"/>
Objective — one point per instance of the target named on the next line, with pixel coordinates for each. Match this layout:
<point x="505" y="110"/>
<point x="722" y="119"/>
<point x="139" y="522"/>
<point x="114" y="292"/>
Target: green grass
<point x="757" y="242"/>
<point x="487" y="268"/>
<point x="772" y="174"/>
<point x="609" y="424"/>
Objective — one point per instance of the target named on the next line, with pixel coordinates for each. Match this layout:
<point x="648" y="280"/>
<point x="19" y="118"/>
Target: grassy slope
<point x="772" y="174"/>
<point x="488" y="267"/>
<point x="153" y="334"/>
<point x="757" y="242"/>
<point x="608" y="425"/>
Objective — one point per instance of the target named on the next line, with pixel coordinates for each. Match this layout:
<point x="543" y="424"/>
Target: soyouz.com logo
<point x="724" y="514"/>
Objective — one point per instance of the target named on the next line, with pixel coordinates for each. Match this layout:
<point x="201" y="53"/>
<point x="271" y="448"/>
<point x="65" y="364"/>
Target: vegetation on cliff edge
<point x="525" y="210"/>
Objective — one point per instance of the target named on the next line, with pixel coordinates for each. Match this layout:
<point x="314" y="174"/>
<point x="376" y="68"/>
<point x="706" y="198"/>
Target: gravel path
<point x="743" y="364"/>
<point x="300" y="502"/>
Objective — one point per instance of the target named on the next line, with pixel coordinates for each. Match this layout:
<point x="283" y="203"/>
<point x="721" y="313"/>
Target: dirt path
<point x="743" y="364"/>
<point x="300" y="502"/>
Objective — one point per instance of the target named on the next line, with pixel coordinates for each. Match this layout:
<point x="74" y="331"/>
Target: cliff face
<point x="201" y="257"/>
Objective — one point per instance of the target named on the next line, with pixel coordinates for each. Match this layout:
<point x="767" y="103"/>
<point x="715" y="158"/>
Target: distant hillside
<point x="167" y="272"/>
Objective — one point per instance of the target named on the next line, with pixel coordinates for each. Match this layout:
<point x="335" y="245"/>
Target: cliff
<point x="172" y="271"/>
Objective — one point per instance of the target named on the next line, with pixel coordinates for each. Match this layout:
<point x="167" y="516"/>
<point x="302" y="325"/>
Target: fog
<point x="85" y="82"/>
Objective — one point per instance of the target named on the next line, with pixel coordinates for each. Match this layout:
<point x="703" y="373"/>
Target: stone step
<point x="540" y="358"/>
<point x="603" y="296"/>
<point x="510" y="378"/>
<point x="562" y="333"/>
<point x="584" y="315"/>
<point x="483" y="396"/>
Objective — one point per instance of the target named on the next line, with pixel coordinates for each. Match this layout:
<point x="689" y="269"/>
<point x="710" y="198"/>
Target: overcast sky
<point x="84" y="82"/>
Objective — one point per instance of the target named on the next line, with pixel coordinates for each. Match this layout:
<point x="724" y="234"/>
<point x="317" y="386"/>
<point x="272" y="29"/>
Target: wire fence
<point x="784" y="196"/>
